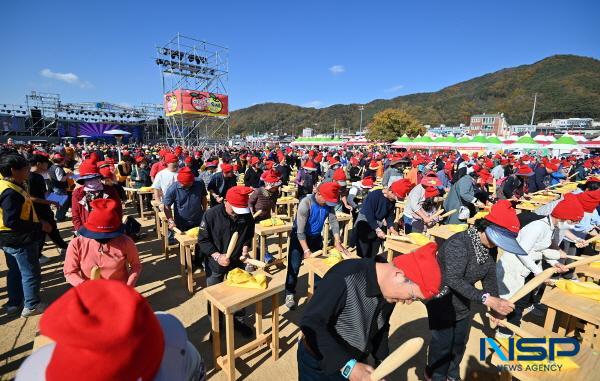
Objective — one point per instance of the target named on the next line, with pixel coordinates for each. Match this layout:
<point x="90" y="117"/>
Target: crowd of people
<point x="348" y="319"/>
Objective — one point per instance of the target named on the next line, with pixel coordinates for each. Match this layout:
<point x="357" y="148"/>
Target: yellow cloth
<point x="418" y="239"/>
<point x="457" y="228"/>
<point x="527" y="205"/>
<point x="271" y="222"/>
<point x="285" y="198"/>
<point x="27" y="208"/>
<point x="595" y="265"/>
<point x="145" y="189"/>
<point x="243" y="279"/>
<point x="193" y="232"/>
<point x="334" y="257"/>
<point x="480" y="215"/>
<point x="586" y="289"/>
<point x="566" y="362"/>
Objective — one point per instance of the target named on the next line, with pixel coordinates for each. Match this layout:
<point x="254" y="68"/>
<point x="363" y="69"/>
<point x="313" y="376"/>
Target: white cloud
<point x="313" y="104"/>
<point x="69" y="78"/>
<point x="337" y="69"/>
<point x="393" y="89"/>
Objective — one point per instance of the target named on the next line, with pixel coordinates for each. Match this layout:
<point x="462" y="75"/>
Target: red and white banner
<point x="192" y="102"/>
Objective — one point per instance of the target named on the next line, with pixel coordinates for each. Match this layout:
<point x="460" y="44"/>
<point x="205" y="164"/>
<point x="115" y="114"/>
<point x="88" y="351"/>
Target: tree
<point x="389" y="124"/>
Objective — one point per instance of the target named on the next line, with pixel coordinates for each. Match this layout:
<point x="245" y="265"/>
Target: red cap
<point x="226" y="168"/>
<point x="552" y="167"/>
<point x="271" y="179"/>
<point x="431" y="181"/>
<point x="269" y="164"/>
<point x="504" y="215"/>
<point x="254" y="160"/>
<point x="106" y="172"/>
<point x="187" y="160"/>
<point x="91" y="342"/>
<point x="170" y="158"/>
<point x="589" y="200"/>
<point x="104" y="217"/>
<point x="330" y="192"/>
<point x="373" y="165"/>
<point x="593" y="179"/>
<point x="431" y="192"/>
<point x="88" y="168"/>
<point x="367" y="182"/>
<point x="139" y="159"/>
<point x="211" y="163"/>
<point x="353" y="161"/>
<point x="309" y="165"/>
<point x="340" y="176"/>
<point x="569" y="208"/>
<point x="185" y="176"/>
<point x="237" y="197"/>
<point x="524" y="170"/>
<point x="57" y="156"/>
<point x="401" y="187"/>
<point x="421" y="267"/>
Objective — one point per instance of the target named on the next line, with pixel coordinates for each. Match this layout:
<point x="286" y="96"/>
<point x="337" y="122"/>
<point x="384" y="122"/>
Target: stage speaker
<point x="161" y="123"/>
<point x="36" y="119"/>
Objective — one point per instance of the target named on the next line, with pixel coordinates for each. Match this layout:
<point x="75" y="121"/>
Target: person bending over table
<point x="216" y="229"/>
<point x="379" y="206"/>
<point x="348" y="318"/>
<point x="306" y="232"/>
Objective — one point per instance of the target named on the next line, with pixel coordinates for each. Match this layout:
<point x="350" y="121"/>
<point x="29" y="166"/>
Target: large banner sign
<point x="191" y="102"/>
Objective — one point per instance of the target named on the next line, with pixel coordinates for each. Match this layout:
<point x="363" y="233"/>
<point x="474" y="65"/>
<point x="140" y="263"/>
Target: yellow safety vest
<point x="27" y="208"/>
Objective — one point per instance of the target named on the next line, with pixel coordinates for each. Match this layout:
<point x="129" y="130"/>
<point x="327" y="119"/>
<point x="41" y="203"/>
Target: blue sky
<point x="314" y="53"/>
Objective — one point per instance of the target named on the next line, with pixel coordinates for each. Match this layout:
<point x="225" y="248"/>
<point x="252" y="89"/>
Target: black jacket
<point x="216" y="230"/>
<point x="460" y="271"/>
<point x="252" y="177"/>
<point x="22" y="232"/>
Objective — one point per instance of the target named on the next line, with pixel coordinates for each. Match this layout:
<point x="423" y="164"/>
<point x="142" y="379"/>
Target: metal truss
<point x="192" y="64"/>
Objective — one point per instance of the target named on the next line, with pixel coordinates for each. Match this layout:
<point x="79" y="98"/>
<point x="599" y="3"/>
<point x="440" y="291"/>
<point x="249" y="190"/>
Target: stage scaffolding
<point x="44" y="111"/>
<point x="192" y="64"/>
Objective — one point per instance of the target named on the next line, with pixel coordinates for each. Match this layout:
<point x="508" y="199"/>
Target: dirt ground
<point x="160" y="284"/>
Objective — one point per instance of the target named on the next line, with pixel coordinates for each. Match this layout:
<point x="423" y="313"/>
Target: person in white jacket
<point x="539" y="238"/>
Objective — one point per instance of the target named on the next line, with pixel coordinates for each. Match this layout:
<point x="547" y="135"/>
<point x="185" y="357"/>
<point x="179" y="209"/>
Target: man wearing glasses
<point x="348" y="317"/>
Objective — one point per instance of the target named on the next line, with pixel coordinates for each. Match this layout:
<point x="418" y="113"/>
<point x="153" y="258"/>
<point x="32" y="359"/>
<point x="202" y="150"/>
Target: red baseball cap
<point x="340" y="176"/>
<point x="505" y="227"/>
<point x="569" y="208"/>
<point x="367" y="182"/>
<point x="401" y="187"/>
<point x="421" y="267"/>
<point x="226" y="168"/>
<point x="238" y="197"/>
<point x="330" y="192"/>
<point x="170" y="158"/>
<point x="185" y="176"/>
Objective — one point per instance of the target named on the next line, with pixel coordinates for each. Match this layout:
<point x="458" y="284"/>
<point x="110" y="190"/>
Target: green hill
<point x="567" y="86"/>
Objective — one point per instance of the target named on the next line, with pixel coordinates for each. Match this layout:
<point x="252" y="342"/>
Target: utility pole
<point x="533" y="113"/>
<point x="360" y="108"/>
<point x="334" y="121"/>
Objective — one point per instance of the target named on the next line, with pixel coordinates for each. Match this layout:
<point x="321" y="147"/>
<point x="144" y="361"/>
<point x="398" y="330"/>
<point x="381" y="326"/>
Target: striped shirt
<point x="347" y="318"/>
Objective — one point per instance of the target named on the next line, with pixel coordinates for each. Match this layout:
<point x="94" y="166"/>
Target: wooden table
<point x="140" y="194"/>
<point x="587" y="360"/>
<point x="164" y="225"/>
<point x="228" y="300"/>
<point x="316" y="266"/>
<point x="589" y="272"/>
<point x="393" y="246"/>
<point x="290" y="205"/>
<point x="346" y="220"/>
<point x="187" y="246"/>
<point x="156" y="207"/>
<point x="289" y="191"/>
<point x="442" y="232"/>
<point x="572" y="308"/>
<point x="261" y="233"/>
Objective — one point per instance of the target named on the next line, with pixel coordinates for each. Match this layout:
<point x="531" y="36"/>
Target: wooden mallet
<point x="398" y="357"/>
<point x="315" y="254"/>
<point x="95" y="273"/>
<point x="232" y="243"/>
<point x="256" y="214"/>
<point x="515" y="328"/>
